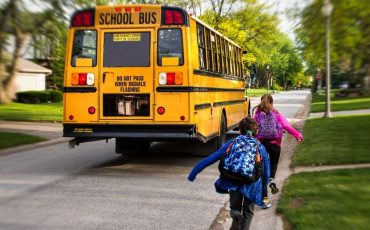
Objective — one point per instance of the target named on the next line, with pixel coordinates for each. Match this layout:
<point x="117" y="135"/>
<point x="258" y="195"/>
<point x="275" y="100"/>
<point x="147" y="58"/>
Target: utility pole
<point x="327" y="10"/>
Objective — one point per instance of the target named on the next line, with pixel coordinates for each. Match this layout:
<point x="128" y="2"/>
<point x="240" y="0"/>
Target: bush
<point x="36" y="97"/>
<point x="55" y="95"/>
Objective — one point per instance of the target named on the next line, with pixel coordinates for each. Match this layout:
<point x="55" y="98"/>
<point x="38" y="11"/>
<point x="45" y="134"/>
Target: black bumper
<point x="147" y="132"/>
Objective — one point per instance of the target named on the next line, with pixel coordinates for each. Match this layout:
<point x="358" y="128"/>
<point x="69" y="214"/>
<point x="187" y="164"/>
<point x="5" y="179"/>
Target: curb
<point x="27" y="147"/>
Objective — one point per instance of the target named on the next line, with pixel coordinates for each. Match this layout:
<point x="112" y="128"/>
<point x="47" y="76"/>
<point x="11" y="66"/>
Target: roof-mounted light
<point x="173" y="16"/>
<point x="83" y="18"/>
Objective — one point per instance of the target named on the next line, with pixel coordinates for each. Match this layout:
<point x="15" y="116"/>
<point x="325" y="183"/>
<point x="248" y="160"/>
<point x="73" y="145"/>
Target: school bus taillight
<point x="83" y="18"/>
<point x="161" y="110"/>
<point x="83" y="79"/>
<point x="170" y="79"/>
<point x="91" y="110"/>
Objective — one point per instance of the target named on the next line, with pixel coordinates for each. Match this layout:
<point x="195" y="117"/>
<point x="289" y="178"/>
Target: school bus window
<point x="170" y="45"/>
<point x="208" y="47"/>
<point x="126" y="49"/>
<point x="84" y="46"/>
<point x="218" y="49"/>
<point x="223" y="56"/>
<point x="214" y="54"/>
<point x="201" y="48"/>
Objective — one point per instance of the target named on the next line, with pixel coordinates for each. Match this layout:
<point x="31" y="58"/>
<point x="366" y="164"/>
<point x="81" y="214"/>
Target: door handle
<point x="105" y="74"/>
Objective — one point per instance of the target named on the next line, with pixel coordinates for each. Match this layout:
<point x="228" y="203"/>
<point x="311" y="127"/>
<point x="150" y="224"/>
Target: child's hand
<point x="191" y="178"/>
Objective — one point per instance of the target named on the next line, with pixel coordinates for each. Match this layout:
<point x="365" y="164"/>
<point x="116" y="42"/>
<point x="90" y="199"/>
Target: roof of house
<point x="26" y="66"/>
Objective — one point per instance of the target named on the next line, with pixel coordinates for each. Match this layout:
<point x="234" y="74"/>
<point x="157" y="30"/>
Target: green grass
<point x="338" y="140"/>
<point x="31" y="112"/>
<point x="339" y="104"/>
<point x="336" y="199"/>
<point x="8" y="140"/>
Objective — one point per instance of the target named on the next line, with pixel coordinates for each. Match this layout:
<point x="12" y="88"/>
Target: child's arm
<point x="285" y="124"/>
<point x="207" y="161"/>
<point x="266" y="165"/>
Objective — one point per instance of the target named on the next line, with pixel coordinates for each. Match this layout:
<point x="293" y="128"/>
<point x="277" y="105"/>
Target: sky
<point x="282" y="8"/>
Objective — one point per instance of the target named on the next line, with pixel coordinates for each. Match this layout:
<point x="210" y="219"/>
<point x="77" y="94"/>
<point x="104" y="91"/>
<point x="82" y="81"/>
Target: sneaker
<point x="273" y="187"/>
<point x="266" y="203"/>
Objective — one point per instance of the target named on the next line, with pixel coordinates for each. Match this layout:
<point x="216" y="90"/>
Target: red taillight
<point x="83" y="18"/>
<point x="174" y="17"/>
<point x="182" y="118"/>
<point x="91" y="110"/>
<point x="71" y="117"/>
<point x="161" y="110"/>
<point x="82" y="78"/>
<point x="170" y="78"/>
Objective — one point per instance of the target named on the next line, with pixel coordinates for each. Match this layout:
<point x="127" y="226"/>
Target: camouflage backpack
<point x="241" y="161"/>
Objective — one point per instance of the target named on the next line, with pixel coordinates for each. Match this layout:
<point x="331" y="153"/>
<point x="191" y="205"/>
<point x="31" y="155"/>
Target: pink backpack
<point x="269" y="128"/>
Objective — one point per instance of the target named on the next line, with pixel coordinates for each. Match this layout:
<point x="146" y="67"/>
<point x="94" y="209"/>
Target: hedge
<point x="36" y="97"/>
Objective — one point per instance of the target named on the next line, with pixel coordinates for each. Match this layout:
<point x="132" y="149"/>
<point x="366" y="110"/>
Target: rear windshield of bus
<point x="124" y="49"/>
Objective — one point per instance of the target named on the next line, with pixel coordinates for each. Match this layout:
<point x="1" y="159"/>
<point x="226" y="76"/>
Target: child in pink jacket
<point x="271" y="127"/>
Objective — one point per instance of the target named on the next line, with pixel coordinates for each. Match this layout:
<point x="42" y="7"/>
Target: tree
<point x="18" y="23"/>
<point x="350" y="32"/>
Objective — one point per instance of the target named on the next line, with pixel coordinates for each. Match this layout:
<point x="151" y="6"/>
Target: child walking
<point x="243" y="197"/>
<point x="271" y="126"/>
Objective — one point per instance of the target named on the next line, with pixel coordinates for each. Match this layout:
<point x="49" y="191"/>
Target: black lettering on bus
<point x="147" y="18"/>
<point x="106" y="19"/>
<point x="101" y="19"/>
<point x="154" y="17"/>
<point x="119" y="18"/>
<point x="113" y="19"/>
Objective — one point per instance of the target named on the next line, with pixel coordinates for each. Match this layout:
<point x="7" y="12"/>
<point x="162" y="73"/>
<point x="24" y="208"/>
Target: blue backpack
<point x="242" y="161"/>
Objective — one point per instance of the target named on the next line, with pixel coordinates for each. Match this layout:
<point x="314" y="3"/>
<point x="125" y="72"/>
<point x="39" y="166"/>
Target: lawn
<point x="337" y="199"/>
<point x="338" y="140"/>
<point x="8" y="140"/>
<point x="257" y="92"/>
<point x="339" y="104"/>
<point x="31" y="112"/>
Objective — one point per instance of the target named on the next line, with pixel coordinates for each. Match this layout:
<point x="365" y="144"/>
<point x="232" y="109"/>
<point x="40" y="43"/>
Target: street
<point x="91" y="187"/>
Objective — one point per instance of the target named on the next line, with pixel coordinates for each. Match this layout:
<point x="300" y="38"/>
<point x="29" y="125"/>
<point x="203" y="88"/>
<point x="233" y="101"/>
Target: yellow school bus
<point x="145" y="73"/>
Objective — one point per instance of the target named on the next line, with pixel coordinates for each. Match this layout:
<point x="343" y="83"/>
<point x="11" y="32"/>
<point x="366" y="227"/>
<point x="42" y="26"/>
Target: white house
<point x="30" y="76"/>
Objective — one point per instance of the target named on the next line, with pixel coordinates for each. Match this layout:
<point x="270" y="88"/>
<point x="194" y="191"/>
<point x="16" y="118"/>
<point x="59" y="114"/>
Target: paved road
<point x="90" y="187"/>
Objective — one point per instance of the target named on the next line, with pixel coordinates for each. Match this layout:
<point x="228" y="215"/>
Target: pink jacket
<point x="285" y="126"/>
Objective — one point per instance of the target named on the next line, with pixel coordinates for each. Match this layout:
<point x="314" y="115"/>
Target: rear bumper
<point x="147" y="132"/>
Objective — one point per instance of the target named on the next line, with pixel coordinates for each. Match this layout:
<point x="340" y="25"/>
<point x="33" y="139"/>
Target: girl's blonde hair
<point x="266" y="104"/>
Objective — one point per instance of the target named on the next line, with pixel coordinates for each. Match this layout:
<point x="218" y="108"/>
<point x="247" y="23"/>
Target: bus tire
<point x="131" y="147"/>
<point x="221" y="139"/>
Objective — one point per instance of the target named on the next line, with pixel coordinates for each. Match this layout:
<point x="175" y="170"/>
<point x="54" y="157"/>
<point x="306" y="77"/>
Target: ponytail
<point x="266" y="104"/>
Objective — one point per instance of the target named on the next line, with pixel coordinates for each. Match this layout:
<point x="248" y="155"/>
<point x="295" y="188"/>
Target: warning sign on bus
<point x="127" y="37"/>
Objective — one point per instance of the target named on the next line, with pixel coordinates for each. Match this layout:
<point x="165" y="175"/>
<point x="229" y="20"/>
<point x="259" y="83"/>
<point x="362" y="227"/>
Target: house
<point x="30" y="76"/>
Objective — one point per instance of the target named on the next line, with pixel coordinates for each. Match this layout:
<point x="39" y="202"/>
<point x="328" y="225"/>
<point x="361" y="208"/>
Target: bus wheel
<point x="221" y="139"/>
<point x="131" y="147"/>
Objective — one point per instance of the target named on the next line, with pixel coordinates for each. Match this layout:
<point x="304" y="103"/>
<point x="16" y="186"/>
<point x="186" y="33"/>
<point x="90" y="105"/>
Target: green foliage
<point x="36" y="97"/>
<point x="55" y="95"/>
<point x="8" y="140"/>
<point x="327" y="200"/>
<point x="338" y="140"/>
<point x="32" y="97"/>
<point x="350" y="43"/>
